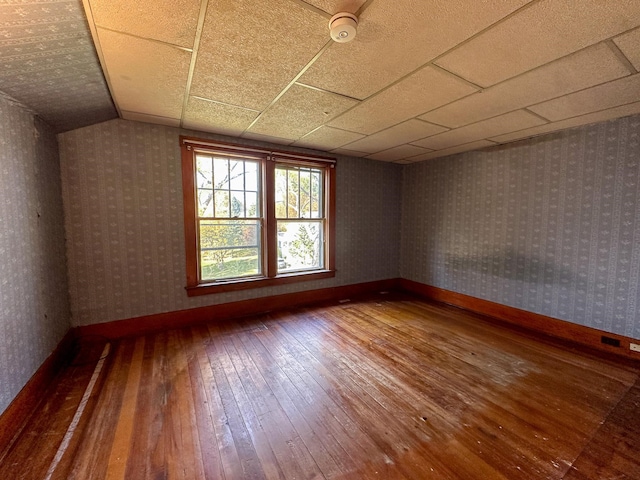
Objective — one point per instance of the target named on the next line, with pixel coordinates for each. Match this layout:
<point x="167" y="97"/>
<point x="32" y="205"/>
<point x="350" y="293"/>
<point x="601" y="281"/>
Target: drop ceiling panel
<point x="267" y="138"/>
<point x="249" y="51"/>
<point x="217" y="117"/>
<point x="424" y="90"/>
<point x="397" y="37"/>
<point x="145" y="76"/>
<point x="546" y="30"/>
<point x="335" y="6"/>
<point x="612" y="94"/>
<point x="616" y="112"/>
<point x="629" y="43"/>
<point x="143" y="117"/>
<point x="509" y="122"/>
<point x="588" y="67"/>
<point x="452" y="150"/>
<point x="398" y="153"/>
<point x="327" y="138"/>
<point x="350" y="153"/>
<point x="170" y="21"/>
<point x="299" y="111"/>
<point x="405" y="132"/>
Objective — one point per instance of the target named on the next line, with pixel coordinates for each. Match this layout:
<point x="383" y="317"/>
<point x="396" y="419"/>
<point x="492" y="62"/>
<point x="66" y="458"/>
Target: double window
<point x="255" y="217"/>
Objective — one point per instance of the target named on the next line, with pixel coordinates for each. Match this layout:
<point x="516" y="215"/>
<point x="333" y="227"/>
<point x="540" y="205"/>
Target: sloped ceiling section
<point x="422" y="79"/>
<point x="49" y="64"/>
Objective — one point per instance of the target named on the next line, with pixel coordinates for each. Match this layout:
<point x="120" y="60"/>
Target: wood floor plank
<point x="304" y="426"/>
<point x="123" y="436"/>
<point x="96" y="439"/>
<point x="384" y="387"/>
<point x="358" y="445"/>
<point x="253" y="465"/>
<point x="202" y="383"/>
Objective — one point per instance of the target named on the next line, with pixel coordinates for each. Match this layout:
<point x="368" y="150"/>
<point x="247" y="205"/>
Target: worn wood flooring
<point x="387" y="387"/>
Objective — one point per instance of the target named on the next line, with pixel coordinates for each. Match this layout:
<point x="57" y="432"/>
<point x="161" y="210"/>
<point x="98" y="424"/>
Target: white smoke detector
<point x="342" y="27"/>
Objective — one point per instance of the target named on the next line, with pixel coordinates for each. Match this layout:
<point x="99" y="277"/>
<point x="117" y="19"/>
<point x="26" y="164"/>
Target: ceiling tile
<point x="300" y="110"/>
<point x="583" y="69"/>
<point x="262" y="49"/>
<point x="406" y="99"/>
<point x="397" y="37"/>
<point x="397" y="135"/>
<point x="267" y="138"/>
<point x="170" y="21"/>
<point x="142" y="117"/>
<point x="616" y="112"/>
<point x="398" y="153"/>
<point x="349" y="153"/>
<point x="612" y="94"/>
<point x="453" y="150"/>
<point x="145" y="76"/>
<point x="546" y="30"/>
<point x="217" y="117"/>
<point x="336" y="6"/>
<point x="327" y="138"/>
<point x="629" y="44"/>
<point x="508" y="122"/>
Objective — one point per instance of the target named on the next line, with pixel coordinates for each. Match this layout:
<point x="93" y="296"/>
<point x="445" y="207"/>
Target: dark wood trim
<point x="250" y="283"/>
<point x="15" y="416"/>
<point x="330" y="235"/>
<point x="227" y="311"/>
<point x="234" y="148"/>
<point x="188" y="198"/>
<point x="561" y="329"/>
<point x="268" y="160"/>
<point x="271" y="230"/>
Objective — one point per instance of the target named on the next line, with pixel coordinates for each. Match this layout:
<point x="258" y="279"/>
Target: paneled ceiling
<point x="49" y="64"/>
<point x="422" y="79"/>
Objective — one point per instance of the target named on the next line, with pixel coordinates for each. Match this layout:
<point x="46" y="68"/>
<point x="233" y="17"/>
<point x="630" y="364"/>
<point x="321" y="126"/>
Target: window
<point x="255" y="217"/>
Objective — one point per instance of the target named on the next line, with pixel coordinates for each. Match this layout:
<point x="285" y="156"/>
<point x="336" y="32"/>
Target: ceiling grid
<point x="421" y="80"/>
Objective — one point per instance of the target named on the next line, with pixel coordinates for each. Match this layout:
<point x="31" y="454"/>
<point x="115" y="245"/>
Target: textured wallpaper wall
<point x="34" y="305"/>
<point x="122" y="192"/>
<point x="549" y="225"/>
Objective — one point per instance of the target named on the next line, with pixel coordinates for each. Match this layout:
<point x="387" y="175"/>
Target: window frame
<point x="268" y="160"/>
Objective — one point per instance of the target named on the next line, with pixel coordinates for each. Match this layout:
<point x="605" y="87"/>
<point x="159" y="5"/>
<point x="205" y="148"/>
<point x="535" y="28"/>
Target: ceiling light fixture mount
<point x="342" y="27"/>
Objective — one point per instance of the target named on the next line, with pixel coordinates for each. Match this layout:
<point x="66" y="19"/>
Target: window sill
<point x="246" y="284"/>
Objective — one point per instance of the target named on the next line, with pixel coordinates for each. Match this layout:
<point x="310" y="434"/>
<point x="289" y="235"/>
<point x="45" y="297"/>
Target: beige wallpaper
<point x="121" y="185"/>
<point x="34" y="303"/>
<point x="549" y="225"/>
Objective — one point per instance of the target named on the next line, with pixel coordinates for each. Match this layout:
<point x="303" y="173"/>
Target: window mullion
<point x="270" y="241"/>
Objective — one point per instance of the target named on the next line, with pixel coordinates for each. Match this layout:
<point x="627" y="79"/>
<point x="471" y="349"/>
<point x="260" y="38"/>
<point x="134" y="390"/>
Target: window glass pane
<point x="204" y="172"/>
<point x="229" y="249"/>
<point x="300" y="245"/>
<point x="305" y="193"/>
<point x="222" y="203"/>
<point x="237" y="204"/>
<point x="205" y="203"/>
<point x="281" y="193"/>
<point x="298" y="192"/>
<point x="292" y="193"/>
<point x="252" y="205"/>
<point x="251" y="176"/>
<point x="221" y="173"/>
<point x="316" y="198"/>
<point x="236" y="174"/>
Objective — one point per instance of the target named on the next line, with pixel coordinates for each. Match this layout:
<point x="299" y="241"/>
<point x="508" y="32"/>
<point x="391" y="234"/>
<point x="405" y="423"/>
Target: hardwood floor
<point x="388" y="387"/>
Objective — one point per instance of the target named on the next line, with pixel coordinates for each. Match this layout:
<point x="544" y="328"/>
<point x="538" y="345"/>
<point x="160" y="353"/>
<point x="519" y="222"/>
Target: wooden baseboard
<point x="567" y="331"/>
<point x="15" y="416"/>
<point x="225" y="311"/>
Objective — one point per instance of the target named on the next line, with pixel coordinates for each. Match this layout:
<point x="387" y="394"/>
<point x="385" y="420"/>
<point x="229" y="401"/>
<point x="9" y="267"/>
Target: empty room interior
<point x="320" y="239"/>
